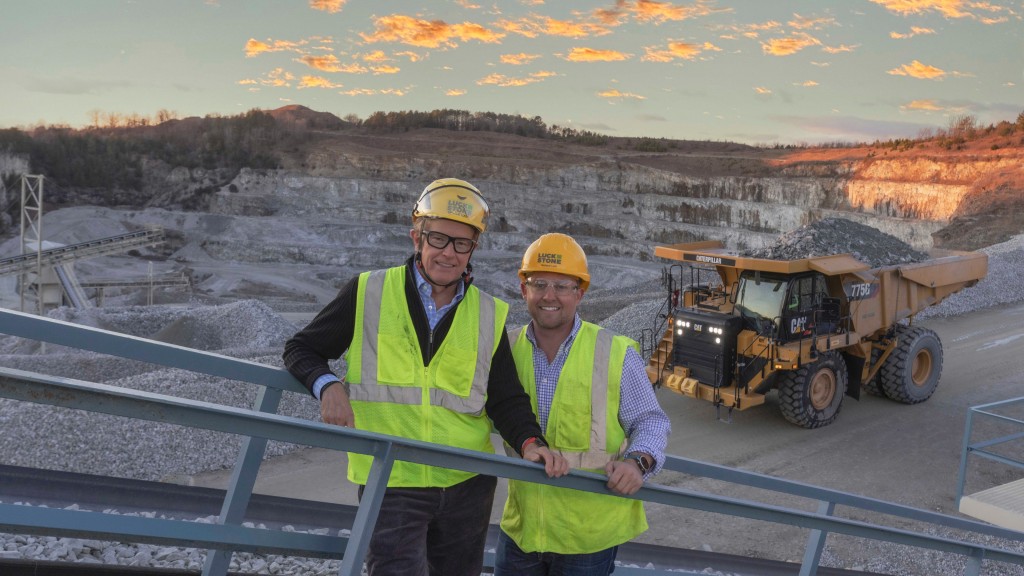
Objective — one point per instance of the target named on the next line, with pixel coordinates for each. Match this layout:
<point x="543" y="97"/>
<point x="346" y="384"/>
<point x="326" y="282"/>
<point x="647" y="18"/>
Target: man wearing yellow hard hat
<point x="427" y="358"/>
<point x="598" y="410"/>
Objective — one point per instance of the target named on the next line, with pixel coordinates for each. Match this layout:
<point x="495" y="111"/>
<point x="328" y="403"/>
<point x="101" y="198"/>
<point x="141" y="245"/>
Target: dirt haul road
<point x="908" y="454"/>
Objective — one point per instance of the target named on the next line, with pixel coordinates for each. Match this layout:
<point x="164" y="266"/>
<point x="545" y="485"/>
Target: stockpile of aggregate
<point x="840" y="236"/>
<point x="43" y="436"/>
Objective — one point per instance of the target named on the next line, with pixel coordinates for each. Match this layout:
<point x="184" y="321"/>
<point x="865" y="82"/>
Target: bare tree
<point x="962" y="126"/>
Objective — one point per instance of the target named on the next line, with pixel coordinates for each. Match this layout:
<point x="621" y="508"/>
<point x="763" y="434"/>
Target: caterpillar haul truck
<point x="814" y="329"/>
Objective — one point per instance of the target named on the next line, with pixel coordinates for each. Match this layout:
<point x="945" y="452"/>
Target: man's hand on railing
<point x="624" y="477"/>
<point x="335" y="407"/>
<point x="555" y="465"/>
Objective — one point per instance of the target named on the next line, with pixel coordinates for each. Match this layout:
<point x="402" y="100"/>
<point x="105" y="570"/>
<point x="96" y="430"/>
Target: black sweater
<point x="328" y="336"/>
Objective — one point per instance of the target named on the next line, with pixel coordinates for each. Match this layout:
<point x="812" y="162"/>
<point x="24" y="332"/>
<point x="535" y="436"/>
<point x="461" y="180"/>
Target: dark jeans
<point x="432" y="531"/>
<point x="510" y="560"/>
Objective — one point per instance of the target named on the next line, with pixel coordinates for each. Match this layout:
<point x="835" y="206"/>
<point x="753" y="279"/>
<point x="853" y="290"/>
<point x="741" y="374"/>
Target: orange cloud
<point x="677" y="50"/>
<point x="613" y="93"/>
<point x="278" y="77"/>
<point x="506" y="81"/>
<point x="801" y="23"/>
<point x="412" y="56"/>
<point x="371" y="92"/>
<point x="752" y="31"/>
<point x="432" y="34"/>
<point x="807" y="84"/>
<point x="762" y="90"/>
<point x="789" y="46"/>
<point x="973" y="9"/>
<point x="593" y="55"/>
<point x="838" y="49"/>
<point x="317" y="82"/>
<point x="948" y="8"/>
<point x="254" y="47"/>
<point x="918" y="70"/>
<point x="518" y="59"/>
<point x="533" y="26"/>
<point x="467" y="4"/>
<point x="247" y="82"/>
<point x="660" y="12"/>
<point x="385" y="69"/>
<point x="914" y="31"/>
<point x="376" y="56"/>
<point x="455" y="92"/>
<point x="328" y="63"/>
<point x="331" y="6"/>
<point x="928" y="105"/>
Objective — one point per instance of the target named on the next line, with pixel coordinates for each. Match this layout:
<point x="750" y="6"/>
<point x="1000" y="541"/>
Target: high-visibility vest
<point x="393" y="393"/>
<point x="583" y="425"/>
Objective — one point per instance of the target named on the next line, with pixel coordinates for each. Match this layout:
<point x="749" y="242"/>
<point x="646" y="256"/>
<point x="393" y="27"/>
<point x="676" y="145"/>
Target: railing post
<point x="243" y="478"/>
<point x="816" y="542"/>
<point x="973" y="566"/>
<point x="961" y="477"/>
<point x="366" y="515"/>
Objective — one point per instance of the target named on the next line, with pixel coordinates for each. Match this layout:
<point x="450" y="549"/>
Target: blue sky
<point x="753" y="71"/>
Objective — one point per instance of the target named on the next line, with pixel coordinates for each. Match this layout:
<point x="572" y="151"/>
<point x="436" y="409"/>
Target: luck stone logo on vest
<point x="549" y="259"/>
<point x="460" y="208"/>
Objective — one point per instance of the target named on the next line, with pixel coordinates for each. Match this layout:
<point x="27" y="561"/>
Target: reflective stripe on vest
<point x="370" y="390"/>
<point x="597" y="456"/>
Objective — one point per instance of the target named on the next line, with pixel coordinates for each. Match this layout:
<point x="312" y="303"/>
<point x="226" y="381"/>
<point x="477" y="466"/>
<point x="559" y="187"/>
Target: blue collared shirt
<point x="646" y="424"/>
<point x="426" y="289"/>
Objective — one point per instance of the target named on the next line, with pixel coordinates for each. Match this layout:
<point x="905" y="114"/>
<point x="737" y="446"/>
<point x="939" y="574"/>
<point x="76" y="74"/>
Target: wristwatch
<point x="641" y="461"/>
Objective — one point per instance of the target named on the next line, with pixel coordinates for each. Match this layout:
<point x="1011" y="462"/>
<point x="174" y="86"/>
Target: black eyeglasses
<point x="440" y="241"/>
<point x="560" y="288"/>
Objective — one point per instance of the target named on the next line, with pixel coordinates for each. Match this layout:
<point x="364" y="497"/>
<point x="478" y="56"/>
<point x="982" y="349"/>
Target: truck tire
<point x="811" y="396"/>
<point x="911" y="373"/>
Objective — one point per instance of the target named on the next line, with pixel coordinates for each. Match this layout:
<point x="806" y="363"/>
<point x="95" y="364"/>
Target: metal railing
<point x="985" y="448"/>
<point x="261" y="424"/>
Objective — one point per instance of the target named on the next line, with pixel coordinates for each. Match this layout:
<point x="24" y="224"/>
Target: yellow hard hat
<point x="557" y="253"/>
<point x="452" y="199"/>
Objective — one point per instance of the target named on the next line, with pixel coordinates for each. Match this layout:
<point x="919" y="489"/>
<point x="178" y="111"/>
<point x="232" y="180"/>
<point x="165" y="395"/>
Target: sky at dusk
<point x="751" y="71"/>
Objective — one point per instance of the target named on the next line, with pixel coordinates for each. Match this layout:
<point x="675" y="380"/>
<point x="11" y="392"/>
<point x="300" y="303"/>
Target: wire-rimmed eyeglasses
<point x="560" y="288"/>
<point x="440" y="241"/>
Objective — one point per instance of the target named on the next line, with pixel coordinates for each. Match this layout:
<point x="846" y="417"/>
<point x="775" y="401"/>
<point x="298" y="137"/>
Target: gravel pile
<point x="38" y="436"/>
<point x="839" y="236"/>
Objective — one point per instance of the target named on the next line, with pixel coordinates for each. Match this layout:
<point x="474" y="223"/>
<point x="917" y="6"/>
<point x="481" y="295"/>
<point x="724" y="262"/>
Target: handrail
<point x="229" y="534"/>
<point x="981" y="448"/>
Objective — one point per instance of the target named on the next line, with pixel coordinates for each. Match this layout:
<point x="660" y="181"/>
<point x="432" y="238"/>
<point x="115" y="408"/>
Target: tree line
<point x="466" y="121"/>
<point x="104" y="157"/>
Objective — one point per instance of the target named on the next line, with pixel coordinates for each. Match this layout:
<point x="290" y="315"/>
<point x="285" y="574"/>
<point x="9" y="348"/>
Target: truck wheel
<point x="812" y="395"/>
<point x="911" y="373"/>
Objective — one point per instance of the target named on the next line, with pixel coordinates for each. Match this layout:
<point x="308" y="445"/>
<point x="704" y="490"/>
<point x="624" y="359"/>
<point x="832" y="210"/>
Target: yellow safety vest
<point x="583" y="425"/>
<point x="393" y="393"/>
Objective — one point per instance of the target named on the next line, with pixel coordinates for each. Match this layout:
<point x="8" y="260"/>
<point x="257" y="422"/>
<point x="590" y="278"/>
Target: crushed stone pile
<point x="246" y="324"/>
<point x="839" y="236"/>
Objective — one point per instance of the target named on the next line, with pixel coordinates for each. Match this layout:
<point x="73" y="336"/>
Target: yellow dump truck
<point x="814" y="329"/>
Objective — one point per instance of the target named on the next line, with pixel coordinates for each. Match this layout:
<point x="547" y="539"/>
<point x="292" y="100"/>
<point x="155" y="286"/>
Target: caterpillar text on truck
<point x="814" y="329"/>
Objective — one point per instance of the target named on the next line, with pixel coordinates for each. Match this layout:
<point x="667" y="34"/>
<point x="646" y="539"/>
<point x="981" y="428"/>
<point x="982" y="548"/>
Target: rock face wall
<point x="613" y="208"/>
